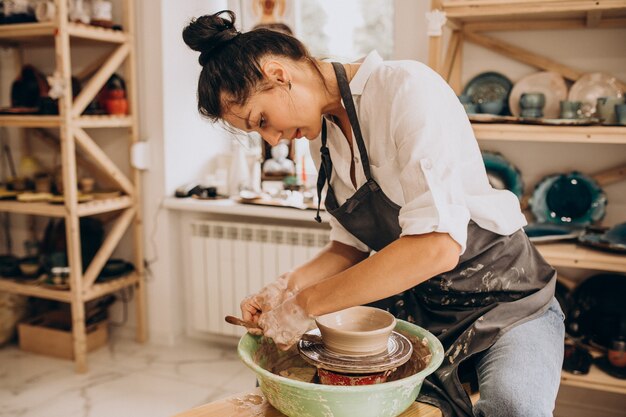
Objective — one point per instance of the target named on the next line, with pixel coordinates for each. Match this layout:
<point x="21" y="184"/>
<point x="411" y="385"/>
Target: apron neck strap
<point x="348" y="102"/>
<point x="326" y="168"/>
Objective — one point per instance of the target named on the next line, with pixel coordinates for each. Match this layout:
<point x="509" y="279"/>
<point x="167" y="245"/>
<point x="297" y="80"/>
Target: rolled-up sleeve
<point x="427" y="120"/>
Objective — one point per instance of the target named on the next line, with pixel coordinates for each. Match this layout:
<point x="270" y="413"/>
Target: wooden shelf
<point x="572" y="255"/>
<point x="58" y="210"/>
<point x="564" y="134"/>
<point x="95" y="291"/>
<point x="596" y="380"/>
<point x="498" y="10"/>
<point x="23" y="33"/>
<point x="33" y="120"/>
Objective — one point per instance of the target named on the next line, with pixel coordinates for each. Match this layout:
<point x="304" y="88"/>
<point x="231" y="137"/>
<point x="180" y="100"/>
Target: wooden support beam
<point x="99" y="79"/>
<point x="594" y="18"/>
<point x="610" y="176"/>
<point x="524" y="25"/>
<point x="434" y="53"/>
<point x="102" y="160"/>
<point x="138" y="230"/>
<point x="455" y="80"/>
<point x="453" y="45"/>
<point x="522" y="55"/>
<point x="108" y="246"/>
<point x="82" y="162"/>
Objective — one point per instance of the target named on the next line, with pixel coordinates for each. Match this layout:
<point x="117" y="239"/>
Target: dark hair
<point x="230" y="59"/>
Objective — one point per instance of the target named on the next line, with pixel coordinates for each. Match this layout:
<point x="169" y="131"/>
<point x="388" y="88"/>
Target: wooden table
<point x="254" y="404"/>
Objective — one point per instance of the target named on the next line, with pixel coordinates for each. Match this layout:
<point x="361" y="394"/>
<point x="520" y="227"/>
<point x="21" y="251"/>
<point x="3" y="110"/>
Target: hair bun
<point x="209" y="32"/>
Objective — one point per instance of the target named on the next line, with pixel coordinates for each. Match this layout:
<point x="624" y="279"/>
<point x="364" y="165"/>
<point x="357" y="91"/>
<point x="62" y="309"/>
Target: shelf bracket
<point x="99" y="79"/>
<point x="522" y="55"/>
<point x="107" y="248"/>
<point x="102" y="161"/>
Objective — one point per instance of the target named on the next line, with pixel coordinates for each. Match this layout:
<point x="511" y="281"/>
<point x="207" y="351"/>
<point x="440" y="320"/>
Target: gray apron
<point x="500" y="281"/>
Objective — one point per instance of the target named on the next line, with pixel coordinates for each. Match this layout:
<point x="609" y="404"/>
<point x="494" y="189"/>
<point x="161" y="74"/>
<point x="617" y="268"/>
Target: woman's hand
<point x="286" y="323"/>
<point x="270" y="297"/>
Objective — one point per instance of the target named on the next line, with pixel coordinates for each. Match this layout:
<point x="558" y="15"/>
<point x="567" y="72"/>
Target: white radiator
<point x="232" y="260"/>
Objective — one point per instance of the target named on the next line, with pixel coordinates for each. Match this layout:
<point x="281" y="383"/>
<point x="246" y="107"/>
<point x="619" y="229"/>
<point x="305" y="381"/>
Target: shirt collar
<point x="369" y="64"/>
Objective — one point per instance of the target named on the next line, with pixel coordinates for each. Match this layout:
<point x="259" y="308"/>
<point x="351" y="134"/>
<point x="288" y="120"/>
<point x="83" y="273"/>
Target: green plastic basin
<point x="303" y="399"/>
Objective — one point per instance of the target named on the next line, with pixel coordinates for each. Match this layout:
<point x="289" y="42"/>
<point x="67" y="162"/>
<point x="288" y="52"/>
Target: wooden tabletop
<point x="254" y="404"/>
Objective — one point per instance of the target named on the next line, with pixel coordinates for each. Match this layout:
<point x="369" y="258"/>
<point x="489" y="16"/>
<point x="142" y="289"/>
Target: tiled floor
<point x="124" y="379"/>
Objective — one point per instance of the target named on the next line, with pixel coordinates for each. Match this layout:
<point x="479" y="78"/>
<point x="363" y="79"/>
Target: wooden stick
<point x="453" y="45"/>
<point x="522" y="55"/>
<point x="103" y="161"/>
<point x="108" y="246"/>
<point x="99" y="79"/>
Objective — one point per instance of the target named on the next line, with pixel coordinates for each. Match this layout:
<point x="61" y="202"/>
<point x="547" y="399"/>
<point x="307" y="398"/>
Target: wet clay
<point x="289" y="363"/>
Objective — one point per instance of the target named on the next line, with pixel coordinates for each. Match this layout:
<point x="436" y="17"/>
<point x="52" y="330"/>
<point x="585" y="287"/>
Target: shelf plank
<point x="79" y="30"/>
<point x="596" y="380"/>
<point x="572" y="255"/>
<point x="563" y="134"/>
<point x="30" y="290"/>
<point x="26" y="32"/>
<point x="58" y="210"/>
<point x="104" y="206"/>
<point x="100" y="289"/>
<point x="486" y="10"/>
<point x="44" y="32"/>
<point x="36" y="209"/>
<point x="31" y="120"/>
<point x="103" y="121"/>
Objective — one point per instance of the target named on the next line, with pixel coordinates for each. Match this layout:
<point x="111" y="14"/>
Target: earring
<point x="289" y="84"/>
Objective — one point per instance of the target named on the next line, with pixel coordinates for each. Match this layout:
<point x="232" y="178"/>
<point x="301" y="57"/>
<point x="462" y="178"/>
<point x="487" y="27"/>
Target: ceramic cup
<point x="620" y="114"/>
<point x="532" y="104"/>
<point x="605" y="108"/>
<point x="570" y="109"/>
<point x="45" y="11"/>
<point x="491" y="107"/>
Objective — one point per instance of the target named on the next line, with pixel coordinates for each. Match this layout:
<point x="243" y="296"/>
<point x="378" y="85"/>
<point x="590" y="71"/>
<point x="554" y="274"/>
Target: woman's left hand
<point x="286" y="323"/>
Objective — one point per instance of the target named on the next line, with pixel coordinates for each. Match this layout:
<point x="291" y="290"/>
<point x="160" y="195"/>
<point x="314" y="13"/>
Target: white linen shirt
<point x="422" y="153"/>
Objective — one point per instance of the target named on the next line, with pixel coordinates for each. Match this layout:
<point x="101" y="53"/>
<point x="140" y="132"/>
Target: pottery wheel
<point x="399" y="350"/>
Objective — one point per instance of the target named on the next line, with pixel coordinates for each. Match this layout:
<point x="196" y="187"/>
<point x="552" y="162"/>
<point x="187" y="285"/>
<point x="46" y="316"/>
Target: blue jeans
<point x="519" y="375"/>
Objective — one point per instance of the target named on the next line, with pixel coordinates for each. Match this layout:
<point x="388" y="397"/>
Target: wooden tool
<point x="239" y="322"/>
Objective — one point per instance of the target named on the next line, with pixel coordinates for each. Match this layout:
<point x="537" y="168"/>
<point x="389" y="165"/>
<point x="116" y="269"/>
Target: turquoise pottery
<point x="572" y="198"/>
<point x="497" y="166"/>
<point x="304" y="399"/>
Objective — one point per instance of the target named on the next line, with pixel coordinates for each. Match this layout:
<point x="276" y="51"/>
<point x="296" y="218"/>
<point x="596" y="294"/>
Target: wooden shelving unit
<point x="71" y="136"/>
<point x="468" y="20"/>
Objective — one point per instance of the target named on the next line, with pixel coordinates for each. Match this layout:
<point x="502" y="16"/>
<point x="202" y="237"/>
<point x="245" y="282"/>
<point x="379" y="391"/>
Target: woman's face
<point x="279" y="113"/>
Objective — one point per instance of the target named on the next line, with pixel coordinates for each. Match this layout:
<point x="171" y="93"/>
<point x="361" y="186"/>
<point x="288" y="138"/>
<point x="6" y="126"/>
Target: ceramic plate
<point x="489" y="86"/>
<point x="596" y="241"/>
<point x="551" y="84"/>
<point x="502" y="174"/>
<point x="560" y="122"/>
<point x="572" y="198"/>
<point x="548" y="232"/>
<point x="590" y="87"/>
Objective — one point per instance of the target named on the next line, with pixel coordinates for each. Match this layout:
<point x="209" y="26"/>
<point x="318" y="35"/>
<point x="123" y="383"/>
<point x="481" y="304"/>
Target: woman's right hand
<point x="268" y="298"/>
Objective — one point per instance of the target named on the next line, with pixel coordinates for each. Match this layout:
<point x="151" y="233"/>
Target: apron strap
<point x="348" y="102"/>
<point x="325" y="171"/>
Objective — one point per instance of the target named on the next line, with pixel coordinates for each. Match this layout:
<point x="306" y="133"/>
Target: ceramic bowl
<point x="305" y="399"/>
<point x="356" y="330"/>
<point x="492" y="107"/>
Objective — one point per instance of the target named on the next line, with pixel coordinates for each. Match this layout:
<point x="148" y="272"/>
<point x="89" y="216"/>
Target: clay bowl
<point x="297" y="398"/>
<point x="356" y="330"/>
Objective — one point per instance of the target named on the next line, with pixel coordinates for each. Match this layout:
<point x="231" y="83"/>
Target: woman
<point x="404" y="178"/>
